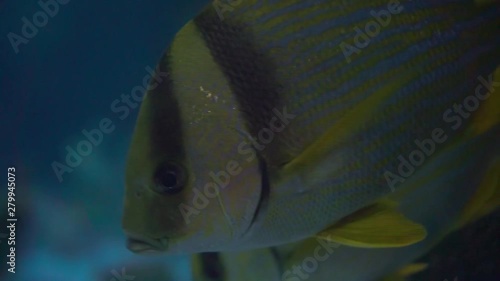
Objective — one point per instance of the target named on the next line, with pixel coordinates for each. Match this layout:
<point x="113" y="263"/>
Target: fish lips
<point x="142" y="245"/>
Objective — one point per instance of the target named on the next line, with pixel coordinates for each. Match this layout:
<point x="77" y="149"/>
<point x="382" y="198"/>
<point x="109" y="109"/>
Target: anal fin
<point x="378" y="226"/>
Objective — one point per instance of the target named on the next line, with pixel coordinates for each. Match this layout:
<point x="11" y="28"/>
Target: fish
<point x="286" y="120"/>
<point x="442" y="213"/>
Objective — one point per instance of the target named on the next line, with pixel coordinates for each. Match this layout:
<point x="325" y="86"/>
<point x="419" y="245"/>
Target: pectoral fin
<point x="377" y="226"/>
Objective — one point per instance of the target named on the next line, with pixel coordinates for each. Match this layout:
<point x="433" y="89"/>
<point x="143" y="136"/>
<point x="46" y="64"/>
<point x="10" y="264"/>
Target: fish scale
<point x="312" y="120"/>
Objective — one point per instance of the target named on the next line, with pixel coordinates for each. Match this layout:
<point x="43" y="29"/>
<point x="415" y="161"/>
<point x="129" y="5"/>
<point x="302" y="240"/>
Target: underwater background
<point x="63" y="81"/>
<point x="60" y="79"/>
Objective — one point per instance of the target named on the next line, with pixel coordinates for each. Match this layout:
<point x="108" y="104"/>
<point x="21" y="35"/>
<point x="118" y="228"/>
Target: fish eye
<point x="169" y="178"/>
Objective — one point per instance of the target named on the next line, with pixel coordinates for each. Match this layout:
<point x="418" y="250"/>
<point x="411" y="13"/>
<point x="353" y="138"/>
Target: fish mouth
<point x="142" y="245"/>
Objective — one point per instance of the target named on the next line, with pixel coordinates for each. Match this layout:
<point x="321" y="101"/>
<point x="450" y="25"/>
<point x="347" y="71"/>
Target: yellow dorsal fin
<point x="378" y="226"/>
<point x="348" y="125"/>
<point x="406" y="271"/>
<point x="486" y="198"/>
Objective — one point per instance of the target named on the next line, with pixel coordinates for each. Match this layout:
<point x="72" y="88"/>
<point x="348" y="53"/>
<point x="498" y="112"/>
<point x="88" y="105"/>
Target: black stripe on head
<point x="251" y="75"/>
<point x="166" y="114"/>
<point x="166" y="122"/>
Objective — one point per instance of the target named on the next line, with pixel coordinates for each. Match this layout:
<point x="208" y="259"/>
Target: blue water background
<point x="62" y="81"/>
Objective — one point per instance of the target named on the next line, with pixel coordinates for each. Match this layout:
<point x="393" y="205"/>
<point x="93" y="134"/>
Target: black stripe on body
<point x="251" y="76"/>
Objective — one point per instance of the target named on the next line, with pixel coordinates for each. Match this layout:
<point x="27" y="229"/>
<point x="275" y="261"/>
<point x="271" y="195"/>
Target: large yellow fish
<point x="279" y="120"/>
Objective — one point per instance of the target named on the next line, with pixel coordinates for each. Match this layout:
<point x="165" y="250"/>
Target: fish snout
<point x="143" y="245"/>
